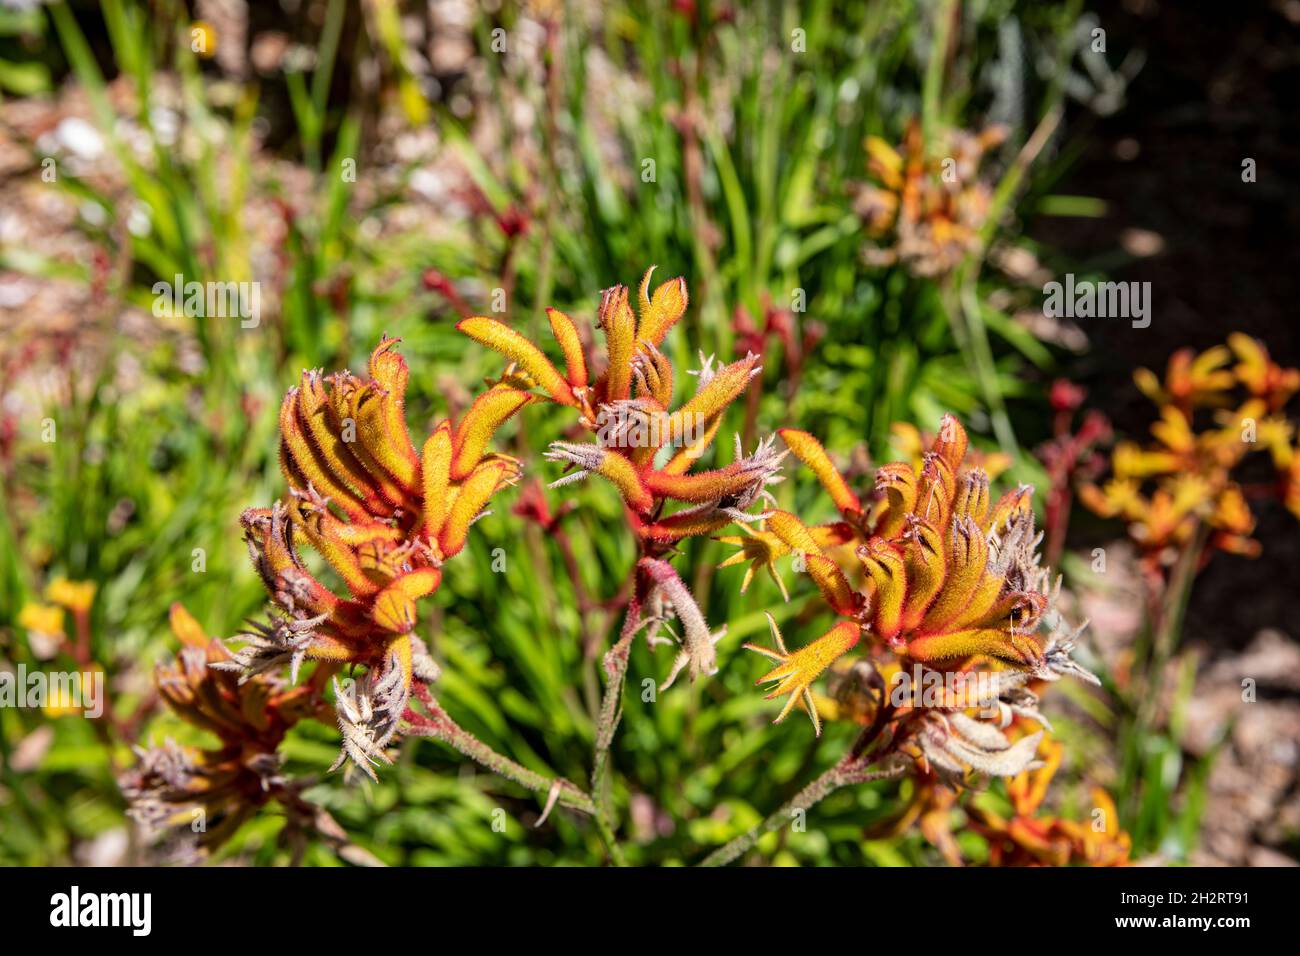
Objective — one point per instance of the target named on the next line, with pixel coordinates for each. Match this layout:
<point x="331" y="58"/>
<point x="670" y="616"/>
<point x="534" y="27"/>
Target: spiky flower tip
<point x="382" y="515"/>
<point x="644" y="446"/>
<point x="195" y="799"/>
<point x="1212" y="416"/>
<point x="794" y="673"/>
<point x="951" y="584"/>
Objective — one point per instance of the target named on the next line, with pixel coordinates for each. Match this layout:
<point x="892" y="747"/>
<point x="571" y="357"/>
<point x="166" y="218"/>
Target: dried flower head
<point x="199" y="797"/>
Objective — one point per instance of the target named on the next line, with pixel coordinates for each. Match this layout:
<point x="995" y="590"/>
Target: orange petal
<point x="472" y="496"/>
<point x="566" y="333"/>
<point x="810" y="451"/>
<point x="435" y="474"/>
<point x="660" y="312"/>
<point x="502" y="338"/>
<point x="489" y="411"/>
<point x="619" y="325"/>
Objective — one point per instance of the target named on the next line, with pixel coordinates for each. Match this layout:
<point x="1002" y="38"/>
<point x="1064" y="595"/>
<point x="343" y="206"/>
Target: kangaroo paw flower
<point x="795" y="672"/>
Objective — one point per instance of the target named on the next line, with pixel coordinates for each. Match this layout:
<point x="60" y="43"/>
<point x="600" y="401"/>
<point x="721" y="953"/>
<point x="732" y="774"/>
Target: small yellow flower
<point x="76" y="596"/>
<point x="42" y="619"/>
<point x="62" y="701"/>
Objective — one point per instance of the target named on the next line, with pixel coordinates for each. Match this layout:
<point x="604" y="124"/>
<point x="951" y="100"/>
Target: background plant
<point x="517" y="170"/>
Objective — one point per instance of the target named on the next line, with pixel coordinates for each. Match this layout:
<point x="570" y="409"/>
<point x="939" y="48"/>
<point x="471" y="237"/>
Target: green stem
<point x="440" y="726"/>
<point x="934" y="69"/>
<point x="848" y="770"/>
<point x="1173" y="609"/>
<point x="611" y="710"/>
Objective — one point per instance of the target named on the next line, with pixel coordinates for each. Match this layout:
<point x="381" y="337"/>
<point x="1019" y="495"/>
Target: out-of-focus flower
<point x="1071" y="457"/>
<point x="1185" y="477"/>
<point x="383" y="516"/>
<point x="927" y="204"/>
<point x="930" y="809"/>
<point x="76" y="596"/>
<point x="46" y="623"/>
<point x="43" y="619"/>
<point x="1030" y="839"/>
<point x="1263" y="378"/>
<point x="1191" y="380"/>
<point x="1289" y="479"/>
<point x="199" y="796"/>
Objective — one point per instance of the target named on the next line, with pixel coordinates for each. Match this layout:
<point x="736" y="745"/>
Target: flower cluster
<point x="45" y="622"/>
<point x="1025" y="837"/>
<point x="928" y="205"/>
<point x="648" y="452"/>
<point x="200" y="797"/>
<point x="935" y="581"/>
<point x="384" y="517"/>
<point x="1213" y="414"/>
<point x="1029" y="838"/>
<point x="950" y="586"/>
<point x="645" y="442"/>
<point x="942" y="583"/>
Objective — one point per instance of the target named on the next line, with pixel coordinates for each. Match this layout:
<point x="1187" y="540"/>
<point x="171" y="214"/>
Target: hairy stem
<point x="439" y="725"/>
<point x="848" y="770"/>
<point x="611" y="710"/>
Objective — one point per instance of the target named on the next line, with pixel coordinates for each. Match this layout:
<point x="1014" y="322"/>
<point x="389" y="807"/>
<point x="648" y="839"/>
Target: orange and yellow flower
<point x="628" y="408"/>
<point x="203" y="795"/>
<point x="926" y="206"/>
<point x="1185" y="478"/>
<point x="950" y="578"/>
<point x="384" y="516"/>
<point x="1027" y="838"/>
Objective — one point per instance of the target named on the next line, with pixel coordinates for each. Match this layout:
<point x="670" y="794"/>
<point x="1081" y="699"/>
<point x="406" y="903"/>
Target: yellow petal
<point x="810" y="451"/>
<point x="435" y="473"/>
<point x="489" y="411"/>
<point x="502" y="338"/>
<point x="566" y="333"/>
<point x="660" y="312"/>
